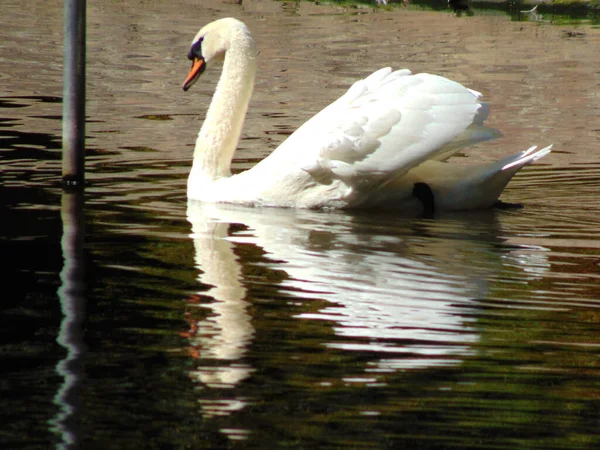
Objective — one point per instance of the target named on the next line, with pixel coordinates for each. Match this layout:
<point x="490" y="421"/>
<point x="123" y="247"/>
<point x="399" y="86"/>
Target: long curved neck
<point x="220" y="133"/>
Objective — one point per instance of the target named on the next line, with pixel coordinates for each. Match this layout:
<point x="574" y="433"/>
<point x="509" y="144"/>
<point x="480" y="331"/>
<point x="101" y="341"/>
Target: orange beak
<point x="198" y="66"/>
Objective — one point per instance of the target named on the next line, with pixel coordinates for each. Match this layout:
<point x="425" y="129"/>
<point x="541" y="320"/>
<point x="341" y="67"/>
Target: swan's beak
<point x="198" y="66"/>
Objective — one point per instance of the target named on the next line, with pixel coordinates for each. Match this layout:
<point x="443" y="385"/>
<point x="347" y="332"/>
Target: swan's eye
<point x="196" y="50"/>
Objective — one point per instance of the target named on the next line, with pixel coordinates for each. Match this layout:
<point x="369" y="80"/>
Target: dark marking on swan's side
<point x="424" y="194"/>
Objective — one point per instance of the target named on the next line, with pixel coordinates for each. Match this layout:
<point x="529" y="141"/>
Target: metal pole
<point x="73" y="167"/>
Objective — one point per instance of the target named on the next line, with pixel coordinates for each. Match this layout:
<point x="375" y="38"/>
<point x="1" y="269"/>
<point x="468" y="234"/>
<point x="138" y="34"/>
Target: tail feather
<point x="527" y="157"/>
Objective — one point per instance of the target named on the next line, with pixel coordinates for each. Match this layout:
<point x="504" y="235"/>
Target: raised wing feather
<point x="384" y="125"/>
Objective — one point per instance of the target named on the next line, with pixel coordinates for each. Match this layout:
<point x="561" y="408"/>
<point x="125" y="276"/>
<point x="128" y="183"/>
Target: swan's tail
<point x="522" y="159"/>
<point x="494" y="177"/>
<point x="468" y="187"/>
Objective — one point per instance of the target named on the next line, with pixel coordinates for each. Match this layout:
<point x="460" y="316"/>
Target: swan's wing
<point x="384" y="125"/>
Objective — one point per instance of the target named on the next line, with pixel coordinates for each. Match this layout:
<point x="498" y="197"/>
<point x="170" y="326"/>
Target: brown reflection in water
<point x="541" y="81"/>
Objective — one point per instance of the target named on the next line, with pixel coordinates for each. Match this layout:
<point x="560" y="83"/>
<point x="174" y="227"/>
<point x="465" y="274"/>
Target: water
<point x="219" y="327"/>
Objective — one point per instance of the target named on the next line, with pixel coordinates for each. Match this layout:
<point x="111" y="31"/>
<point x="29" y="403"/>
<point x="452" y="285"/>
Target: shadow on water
<point x="30" y="263"/>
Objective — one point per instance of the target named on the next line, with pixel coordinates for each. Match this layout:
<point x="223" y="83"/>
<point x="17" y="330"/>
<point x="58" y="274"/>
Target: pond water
<point x="150" y="324"/>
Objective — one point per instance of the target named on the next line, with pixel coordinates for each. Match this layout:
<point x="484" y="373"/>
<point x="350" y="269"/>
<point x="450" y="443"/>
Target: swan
<point x="384" y="143"/>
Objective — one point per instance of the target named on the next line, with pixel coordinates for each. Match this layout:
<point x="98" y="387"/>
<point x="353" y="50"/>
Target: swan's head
<point x="212" y="42"/>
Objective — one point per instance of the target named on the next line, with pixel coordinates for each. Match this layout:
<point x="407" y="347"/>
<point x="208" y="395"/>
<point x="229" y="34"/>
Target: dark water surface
<point x="150" y="324"/>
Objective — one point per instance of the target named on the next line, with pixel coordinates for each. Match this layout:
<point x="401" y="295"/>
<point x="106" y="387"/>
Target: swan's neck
<point x="220" y="133"/>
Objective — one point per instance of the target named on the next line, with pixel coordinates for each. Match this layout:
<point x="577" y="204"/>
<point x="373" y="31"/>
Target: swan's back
<point x="382" y="126"/>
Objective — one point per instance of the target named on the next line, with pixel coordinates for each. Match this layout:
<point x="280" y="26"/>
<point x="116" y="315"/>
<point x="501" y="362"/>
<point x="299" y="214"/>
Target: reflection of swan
<point x="222" y="338"/>
<point x="389" y="292"/>
<point x="389" y="133"/>
<point x="225" y="333"/>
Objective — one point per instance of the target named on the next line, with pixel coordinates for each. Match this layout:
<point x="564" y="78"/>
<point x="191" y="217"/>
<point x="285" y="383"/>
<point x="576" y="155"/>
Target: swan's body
<point x="369" y="148"/>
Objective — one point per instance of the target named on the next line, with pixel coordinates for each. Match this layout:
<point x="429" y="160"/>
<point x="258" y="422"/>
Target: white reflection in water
<point x="406" y="292"/>
<point x="225" y="334"/>
<point x="532" y="259"/>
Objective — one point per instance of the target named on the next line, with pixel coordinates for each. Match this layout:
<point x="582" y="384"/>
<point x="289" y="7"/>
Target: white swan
<point x="383" y="143"/>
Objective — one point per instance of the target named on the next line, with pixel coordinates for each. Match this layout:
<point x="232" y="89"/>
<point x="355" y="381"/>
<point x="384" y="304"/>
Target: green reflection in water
<point x="560" y="12"/>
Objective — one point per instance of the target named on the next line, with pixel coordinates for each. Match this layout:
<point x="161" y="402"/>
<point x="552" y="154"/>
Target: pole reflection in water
<point x="72" y="301"/>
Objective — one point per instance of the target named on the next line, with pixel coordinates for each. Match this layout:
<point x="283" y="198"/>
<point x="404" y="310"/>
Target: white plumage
<point x="369" y="148"/>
